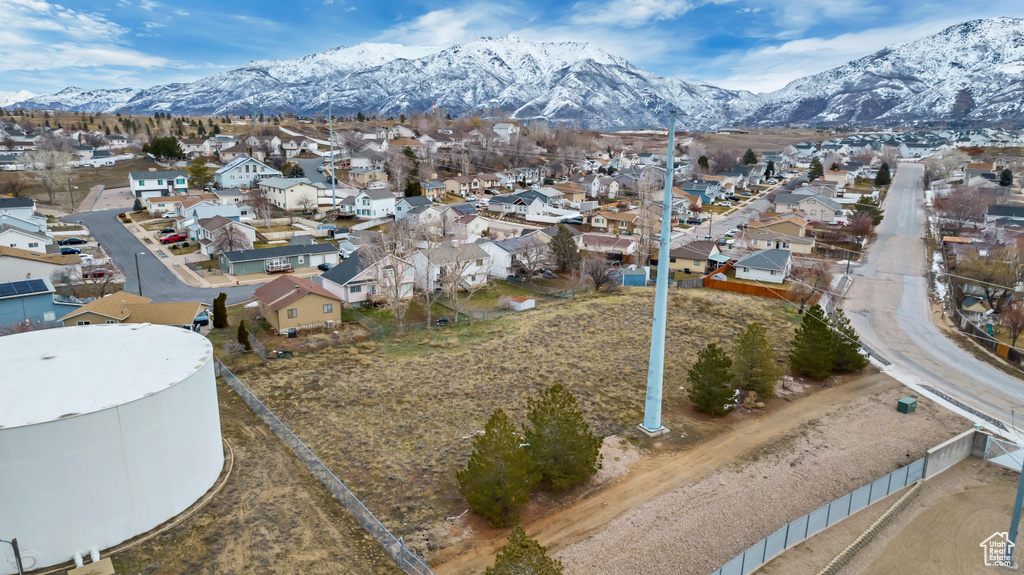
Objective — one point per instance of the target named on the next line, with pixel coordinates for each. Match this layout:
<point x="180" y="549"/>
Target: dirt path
<point x="656" y="476"/>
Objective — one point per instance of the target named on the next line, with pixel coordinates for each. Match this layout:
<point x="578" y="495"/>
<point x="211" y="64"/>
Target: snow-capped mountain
<point x="77" y="99"/>
<point x="560" y="81"/>
<point x="970" y="73"/>
<point x="8" y="98"/>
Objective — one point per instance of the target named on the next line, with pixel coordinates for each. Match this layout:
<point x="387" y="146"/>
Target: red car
<point x="173" y="238"/>
<point x="96" y="273"/>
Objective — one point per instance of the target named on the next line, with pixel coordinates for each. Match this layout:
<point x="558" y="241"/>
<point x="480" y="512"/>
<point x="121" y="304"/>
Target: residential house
<point x="610" y="247"/>
<point x="817" y="207"/>
<point x="219" y="234"/>
<point x="271" y="143"/>
<point x="358" y="281"/>
<point x="434" y="190"/>
<point x="17" y="237"/>
<point x="516" y="205"/>
<point x="591" y="184"/>
<point x="789" y="224"/>
<point x="364" y="177"/>
<point x="236" y="151"/>
<point x="507" y="254"/>
<point x="23" y="208"/>
<point x="188" y="218"/>
<point x="700" y="257"/>
<point x="371" y="204"/>
<point x="408" y="205"/>
<point x="18" y="264"/>
<point x="230" y="196"/>
<point x="1002" y="215"/>
<point x="770" y="266"/>
<point x="33" y="303"/>
<point x="463" y="186"/>
<point x="289" y="302"/>
<point x="572" y="192"/>
<point x="399" y="145"/>
<point x="195" y="147"/>
<point x="839" y="177"/>
<point x="125" y="307"/>
<point x="470" y="226"/>
<point x="547" y="234"/>
<point x="290" y="193"/>
<point x="158" y="183"/>
<point x="468" y="261"/>
<point x="243" y="171"/>
<point x="506" y="130"/>
<point x="280" y="259"/>
<point x="297" y="145"/>
<point x="622" y="223"/>
<point x="975" y="309"/>
<point x="753" y="239"/>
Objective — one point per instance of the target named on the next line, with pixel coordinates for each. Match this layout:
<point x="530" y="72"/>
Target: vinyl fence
<point x="394" y="546"/>
<point x="796" y="531"/>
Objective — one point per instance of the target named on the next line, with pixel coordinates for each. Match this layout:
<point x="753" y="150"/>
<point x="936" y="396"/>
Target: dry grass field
<point x="82" y="179"/>
<point x="395" y="419"/>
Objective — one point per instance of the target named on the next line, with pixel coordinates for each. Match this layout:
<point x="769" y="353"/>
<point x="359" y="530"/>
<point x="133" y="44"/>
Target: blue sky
<point x="743" y="44"/>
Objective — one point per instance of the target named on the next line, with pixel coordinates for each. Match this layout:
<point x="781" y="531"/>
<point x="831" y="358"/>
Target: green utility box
<point x="906" y="405"/>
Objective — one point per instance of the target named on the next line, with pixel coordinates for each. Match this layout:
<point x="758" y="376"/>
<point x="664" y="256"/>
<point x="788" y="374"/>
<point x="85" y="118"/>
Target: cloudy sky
<point x="746" y="44"/>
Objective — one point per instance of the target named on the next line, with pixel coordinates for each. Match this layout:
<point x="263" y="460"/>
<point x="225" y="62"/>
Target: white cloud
<point x="771" y="67"/>
<point x="43" y="36"/>
<point x="629" y="13"/>
<point x="181" y="13"/>
<point x="148" y="5"/>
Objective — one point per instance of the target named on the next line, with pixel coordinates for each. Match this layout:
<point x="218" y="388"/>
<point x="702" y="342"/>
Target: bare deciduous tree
<point x="307" y="203"/>
<point x="51" y="168"/>
<point x="14" y="186"/>
<point x="259" y="199"/>
<point x="811" y="277"/>
<point x="388" y="257"/>
<point x="724" y="159"/>
<point x="964" y="205"/>
<point x="459" y="268"/>
<point x="598" y="271"/>
<point x="230" y="238"/>
<point x="1013" y="318"/>
<point x="996" y="273"/>
<point x="532" y="258"/>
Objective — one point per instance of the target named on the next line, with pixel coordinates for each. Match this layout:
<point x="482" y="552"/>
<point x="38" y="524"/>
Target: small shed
<point x="523" y="303"/>
<point x="633" y="277"/>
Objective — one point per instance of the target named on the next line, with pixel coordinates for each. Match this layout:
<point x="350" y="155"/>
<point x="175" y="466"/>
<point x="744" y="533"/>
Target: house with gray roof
<point x="771" y="266"/>
<point x="356" y="280"/>
<point x="411" y="206"/>
<point x="158" y="183"/>
<point x="279" y="259"/>
<point x="817" y="207"/>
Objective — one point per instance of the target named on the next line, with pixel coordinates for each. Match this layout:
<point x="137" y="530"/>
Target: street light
<point x="137" y="274"/>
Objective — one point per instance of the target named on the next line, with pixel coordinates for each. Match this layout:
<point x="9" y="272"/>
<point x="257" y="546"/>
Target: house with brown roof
<point x="698" y="257"/>
<point x="463" y="186"/>
<point x="219" y="234"/>
<point x="611" y="247"/>
<point x="571" y="192"/>
<point x="124" y="307"/>
<point x="18" y="264"/>
<point x="788" y="224"/>
<point x="300" y="303"/>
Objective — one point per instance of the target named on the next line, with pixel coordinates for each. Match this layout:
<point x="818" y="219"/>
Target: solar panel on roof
<point x="7" y="290"/>
<point x="37" y="285"/>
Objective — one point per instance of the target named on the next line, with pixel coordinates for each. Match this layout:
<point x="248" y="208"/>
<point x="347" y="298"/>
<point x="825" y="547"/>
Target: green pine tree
<point x="361" y="117"/>
<point x="847" y="356"/>
<point x="750" y="157"/>
<point x="499" y="476"/>
<point x="137" y="206"/>
<point x="559" y="441"/>
<point x="709" y="381"/>
<point x="871" y="206"/>
<point x="522" y="555"/>
<point x="769" y="169"/>
<point x="813" y="347"/>
<point x="243" y="336"/>
<point x="412" y="189"/>
<point x="220" y="311"/>
<point x="817" y="170"/>
<point x="563" y="246"/>
<point x="883" y="177"/>
<point x="753" y="363"/>
<point x="1006" y="178"/>
<point x="703" y="163"/>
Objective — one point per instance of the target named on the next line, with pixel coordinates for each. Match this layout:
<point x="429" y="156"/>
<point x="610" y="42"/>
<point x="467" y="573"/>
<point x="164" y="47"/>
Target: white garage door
<point x="316" y="259"/>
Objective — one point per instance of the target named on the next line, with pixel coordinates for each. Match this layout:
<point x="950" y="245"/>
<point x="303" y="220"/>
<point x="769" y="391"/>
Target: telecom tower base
<point x="650" y="433"/>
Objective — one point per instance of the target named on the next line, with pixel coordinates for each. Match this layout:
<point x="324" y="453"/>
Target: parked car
<point x="71" y="242"/>
<point x="732" y="198"/>
<point x="173" y="238"/>
<point x="548" y="275"/>
<point x="168" y="215"/>
<point x="66" y="251"/>
<point x="167" y="231"/>
<point x="694" y="221"/>
<point x="97" y="273"/>
<point x="201" y="319"/>
<point x="733" y="231"/>
<point x="708" y="238"/>
<point x="324" y="267"/>
<point x="724" y="204"/>
<point x="471" y="197"/>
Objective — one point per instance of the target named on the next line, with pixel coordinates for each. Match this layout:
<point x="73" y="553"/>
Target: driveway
<point x="158" y="282"/>
<point x="889" y="306"/>
<point x="309" y="165"/>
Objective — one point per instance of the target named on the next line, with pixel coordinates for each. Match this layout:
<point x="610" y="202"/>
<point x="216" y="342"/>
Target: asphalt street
<point x="309" y="165"/>
<point x="888" y="305"/>
<point x="158" y="282"/>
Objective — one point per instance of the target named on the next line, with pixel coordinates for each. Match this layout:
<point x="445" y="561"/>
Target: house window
<point x="142" y="182"/>
<point x="772" y="272"/>
<point x="84" y="323"/>
<point x="109" y="321"/>
<point x="293" y="313"/>
<point x="33" y="244"/>
<point x="355" y="289"/>
<point x="746" y="269"/>
<point x="479" y="263"/>
<point x="328" y="308"/>
<point x="371" y="290"/>
<point x="49" y="316"/>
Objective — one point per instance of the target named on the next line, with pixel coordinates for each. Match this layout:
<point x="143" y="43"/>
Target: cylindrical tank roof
<point x="59" y="373"/>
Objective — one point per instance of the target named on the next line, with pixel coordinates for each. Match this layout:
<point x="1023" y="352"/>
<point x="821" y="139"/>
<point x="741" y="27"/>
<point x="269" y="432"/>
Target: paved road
<point x="888" y="305"/>
<point x="718" y="226"/>
<point x="309" y="165"/>
<point x="158" y="282"/>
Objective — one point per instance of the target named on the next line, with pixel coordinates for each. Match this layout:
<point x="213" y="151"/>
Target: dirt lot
<point x="272" y="516"/>
<point x="820" y="449"/>
<point x="395" y="419"/>
<point x="939" y="532"/>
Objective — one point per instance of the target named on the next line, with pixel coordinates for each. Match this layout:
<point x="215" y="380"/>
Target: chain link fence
<point x="394" y="546"/>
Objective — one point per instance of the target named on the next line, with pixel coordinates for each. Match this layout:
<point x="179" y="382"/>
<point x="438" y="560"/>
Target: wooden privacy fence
<point x="751" y="289"/>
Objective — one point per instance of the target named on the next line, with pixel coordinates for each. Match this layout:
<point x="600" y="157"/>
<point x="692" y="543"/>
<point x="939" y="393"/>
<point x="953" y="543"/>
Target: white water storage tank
<point x="106" y="431"/>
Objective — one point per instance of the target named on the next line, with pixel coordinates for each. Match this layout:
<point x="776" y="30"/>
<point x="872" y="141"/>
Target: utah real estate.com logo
<point x="995" y="550"/>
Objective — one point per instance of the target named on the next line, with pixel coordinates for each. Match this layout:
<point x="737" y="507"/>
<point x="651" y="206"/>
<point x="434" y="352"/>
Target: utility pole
<point x="330" y="129"/>
<point x="137" y="274"/>
<point x="656" y="368"/>
<point x="17" y="553"/>
<point x="72" y="196"/>
<point x="1015" y="521"/>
